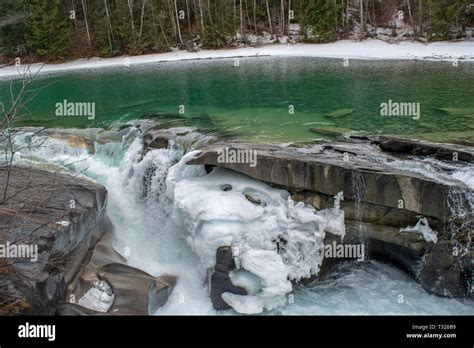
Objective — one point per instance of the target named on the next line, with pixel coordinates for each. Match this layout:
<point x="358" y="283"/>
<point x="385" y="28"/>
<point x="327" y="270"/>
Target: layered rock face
<point x="62" y="218"/>
<point x="394" y="202"/>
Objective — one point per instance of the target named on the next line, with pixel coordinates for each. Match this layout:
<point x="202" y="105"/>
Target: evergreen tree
<point x="47" y="31"/>
<point x="11" y="27"/>
<point x="319" y="19"/>
<point x="103" y="37"/>
<point x="112" y="27"/>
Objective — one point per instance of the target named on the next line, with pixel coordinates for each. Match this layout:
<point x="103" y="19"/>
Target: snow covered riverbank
<point x="368" y="49"/>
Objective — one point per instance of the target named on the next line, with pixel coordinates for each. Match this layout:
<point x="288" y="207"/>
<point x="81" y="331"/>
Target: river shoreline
<point x="371" y="49"/>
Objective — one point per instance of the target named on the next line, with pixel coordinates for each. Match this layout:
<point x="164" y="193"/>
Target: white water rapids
<point x="170" y="218"/>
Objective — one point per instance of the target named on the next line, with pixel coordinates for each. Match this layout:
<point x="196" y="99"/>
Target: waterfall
<point x="151" y="206"/>
<point x="459" y="218"/>
<point x="358" y="189"/>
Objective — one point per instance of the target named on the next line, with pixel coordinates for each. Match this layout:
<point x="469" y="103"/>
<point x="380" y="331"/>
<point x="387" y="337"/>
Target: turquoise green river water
<point x="268" y="99"/>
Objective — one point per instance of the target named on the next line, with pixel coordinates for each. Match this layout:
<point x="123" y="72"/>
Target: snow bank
<point x="422" y="227"/>
<point x="273" y="239"/>
<point x="368" y="49"/>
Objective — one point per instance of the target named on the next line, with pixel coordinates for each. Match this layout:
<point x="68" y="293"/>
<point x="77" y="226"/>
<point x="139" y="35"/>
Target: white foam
<point x="465" y="175"/>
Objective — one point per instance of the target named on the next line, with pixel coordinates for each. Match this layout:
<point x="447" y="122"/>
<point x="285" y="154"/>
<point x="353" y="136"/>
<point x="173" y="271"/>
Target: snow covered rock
<point x="272" y="238"/>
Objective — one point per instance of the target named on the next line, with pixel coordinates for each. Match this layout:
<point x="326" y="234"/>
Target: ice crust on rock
<point x="98" y="298"/>
<point x="424" y="228"/>
<point x="274" y="239"/>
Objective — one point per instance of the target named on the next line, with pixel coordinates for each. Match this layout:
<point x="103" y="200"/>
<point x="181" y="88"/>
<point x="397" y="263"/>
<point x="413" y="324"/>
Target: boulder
<point x="219" y="280"/>
<point x="60" y="214"/>
<point x="447" y="271"/>
<point x="135" y="292"/>
<point x="160" y="138"/>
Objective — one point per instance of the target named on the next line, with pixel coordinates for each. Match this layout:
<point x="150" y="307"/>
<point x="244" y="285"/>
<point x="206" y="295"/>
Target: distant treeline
<point x="62" y="29"/>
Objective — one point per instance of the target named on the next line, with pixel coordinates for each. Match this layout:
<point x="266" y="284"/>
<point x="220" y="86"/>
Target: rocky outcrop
<point x="381" y="197"/>
<point x="335" y="167"/>
<point x="446" y="271"/>
<point x="219" y="280"/>
<point x="75" y="138"/>
<point x="160" y="138"/>
<point x="63" y="217"/>
<point x="134" y="291"/>
<point x="416" y="147"/>
<point x="185" y="137"/>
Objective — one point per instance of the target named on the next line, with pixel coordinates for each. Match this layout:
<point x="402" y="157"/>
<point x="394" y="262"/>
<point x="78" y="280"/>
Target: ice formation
<point x="98" y="298"/>
<point x="274" y="239"/>
<point x="424" y="228"/>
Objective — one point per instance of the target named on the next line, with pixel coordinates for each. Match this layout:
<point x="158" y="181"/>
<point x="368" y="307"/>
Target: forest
<point x="55" y="30"/>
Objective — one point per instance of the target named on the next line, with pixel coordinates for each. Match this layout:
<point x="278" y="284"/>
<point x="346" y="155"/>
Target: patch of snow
<point x="422" y="227"/>
<point x="98" y="298"/>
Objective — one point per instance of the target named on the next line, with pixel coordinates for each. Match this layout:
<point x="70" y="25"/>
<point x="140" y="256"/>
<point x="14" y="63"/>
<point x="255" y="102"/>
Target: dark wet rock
<point x="159" y="292"/>
<point x="61" y="214"/>
<point x="426" y="148"/>
<point x="447" y="271"/>
<point x="160" y="138"/>
<point x="219" y="280"/>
